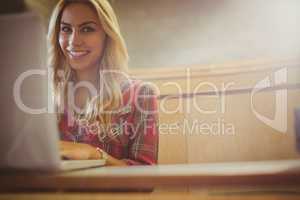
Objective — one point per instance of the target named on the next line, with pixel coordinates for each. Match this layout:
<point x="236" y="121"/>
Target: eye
<point x="87" y="29"/>
<point x="66" y="29"/>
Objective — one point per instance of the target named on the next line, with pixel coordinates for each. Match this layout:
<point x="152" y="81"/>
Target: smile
<point x="78" y="54"/>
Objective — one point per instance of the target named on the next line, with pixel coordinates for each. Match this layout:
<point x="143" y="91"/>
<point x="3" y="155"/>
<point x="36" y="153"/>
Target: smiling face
<point x="81" y="37"/>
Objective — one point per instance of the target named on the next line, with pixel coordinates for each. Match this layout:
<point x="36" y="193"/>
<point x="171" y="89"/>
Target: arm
<point x="82" y="151"/>
<point x="143" y="145"/>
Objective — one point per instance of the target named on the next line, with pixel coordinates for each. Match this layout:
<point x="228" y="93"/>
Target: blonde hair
<point x="115" y="57"/>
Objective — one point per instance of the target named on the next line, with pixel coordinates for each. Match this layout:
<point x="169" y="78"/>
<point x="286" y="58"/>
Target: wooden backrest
<point x="236" y="130"/>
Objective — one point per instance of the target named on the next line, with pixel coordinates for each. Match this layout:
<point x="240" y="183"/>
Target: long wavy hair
<point x="115" y="58"/>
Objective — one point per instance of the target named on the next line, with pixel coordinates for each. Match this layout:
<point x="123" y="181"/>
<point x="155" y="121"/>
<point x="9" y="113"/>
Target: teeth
<point x="78" y="53"/>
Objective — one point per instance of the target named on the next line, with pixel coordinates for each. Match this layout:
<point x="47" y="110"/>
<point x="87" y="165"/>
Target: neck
<point x="90" y="76"/>
<point x="82" y="93"/>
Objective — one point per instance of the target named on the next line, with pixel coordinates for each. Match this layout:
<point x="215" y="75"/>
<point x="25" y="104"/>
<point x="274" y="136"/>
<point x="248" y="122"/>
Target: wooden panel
<point x="206" y="82"/>
<point x="172" y="144"/>
<point x="266" y="173"/>
<point x="205" y="195"/>
<point x="252" y="139"/>
<point x="237" y="67"/>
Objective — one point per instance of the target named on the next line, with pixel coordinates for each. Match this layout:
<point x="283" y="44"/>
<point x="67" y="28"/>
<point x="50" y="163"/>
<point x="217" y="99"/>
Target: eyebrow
<point x="84" y="23"/>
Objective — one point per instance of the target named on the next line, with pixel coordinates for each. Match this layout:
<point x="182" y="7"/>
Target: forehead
<point x="77" y="13"/>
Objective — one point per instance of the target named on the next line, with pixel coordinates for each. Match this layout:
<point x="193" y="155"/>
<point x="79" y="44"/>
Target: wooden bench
<point x="251" y="139"/>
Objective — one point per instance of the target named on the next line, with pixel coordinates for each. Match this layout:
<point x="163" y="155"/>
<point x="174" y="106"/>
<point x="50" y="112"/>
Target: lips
<point x="76" y="54"/>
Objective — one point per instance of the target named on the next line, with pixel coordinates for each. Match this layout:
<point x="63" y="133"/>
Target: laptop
<point x="29" y="135"/>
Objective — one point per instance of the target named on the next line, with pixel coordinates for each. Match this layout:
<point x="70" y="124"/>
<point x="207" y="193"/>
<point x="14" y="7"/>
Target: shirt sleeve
<point x="144" y="138"/>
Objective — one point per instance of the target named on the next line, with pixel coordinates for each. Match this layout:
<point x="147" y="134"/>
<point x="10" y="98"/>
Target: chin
<point x="78" y="67"/>
<point x="81" y="67"/>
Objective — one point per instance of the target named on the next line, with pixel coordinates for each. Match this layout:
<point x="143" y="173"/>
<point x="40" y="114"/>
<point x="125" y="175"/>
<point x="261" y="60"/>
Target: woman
<point x="102" y="113"/>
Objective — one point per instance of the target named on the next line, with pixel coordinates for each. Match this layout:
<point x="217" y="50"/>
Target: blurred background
<point x="203" y="46"/>
<point x="168" y="33"/>
<point x="175" y="32"/>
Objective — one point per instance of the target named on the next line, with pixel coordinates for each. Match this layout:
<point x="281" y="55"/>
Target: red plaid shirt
<point x="134" y="135"/>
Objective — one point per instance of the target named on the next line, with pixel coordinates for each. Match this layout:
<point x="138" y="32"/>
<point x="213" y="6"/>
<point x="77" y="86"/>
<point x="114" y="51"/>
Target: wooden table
<point x="250" y="180"/>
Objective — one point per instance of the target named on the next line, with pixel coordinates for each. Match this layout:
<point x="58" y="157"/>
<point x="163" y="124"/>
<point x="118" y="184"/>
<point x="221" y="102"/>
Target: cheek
<point x="95" y="40"/>
<point x="98" y="44"/>
<point x="63" y="42"/>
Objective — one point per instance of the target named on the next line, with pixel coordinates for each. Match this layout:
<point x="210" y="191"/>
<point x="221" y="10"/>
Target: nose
<point x="75" y="39"/>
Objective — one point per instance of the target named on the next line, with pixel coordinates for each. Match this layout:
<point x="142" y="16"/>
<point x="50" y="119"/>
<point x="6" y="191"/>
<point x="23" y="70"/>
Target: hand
<point x="78" y="151"/>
